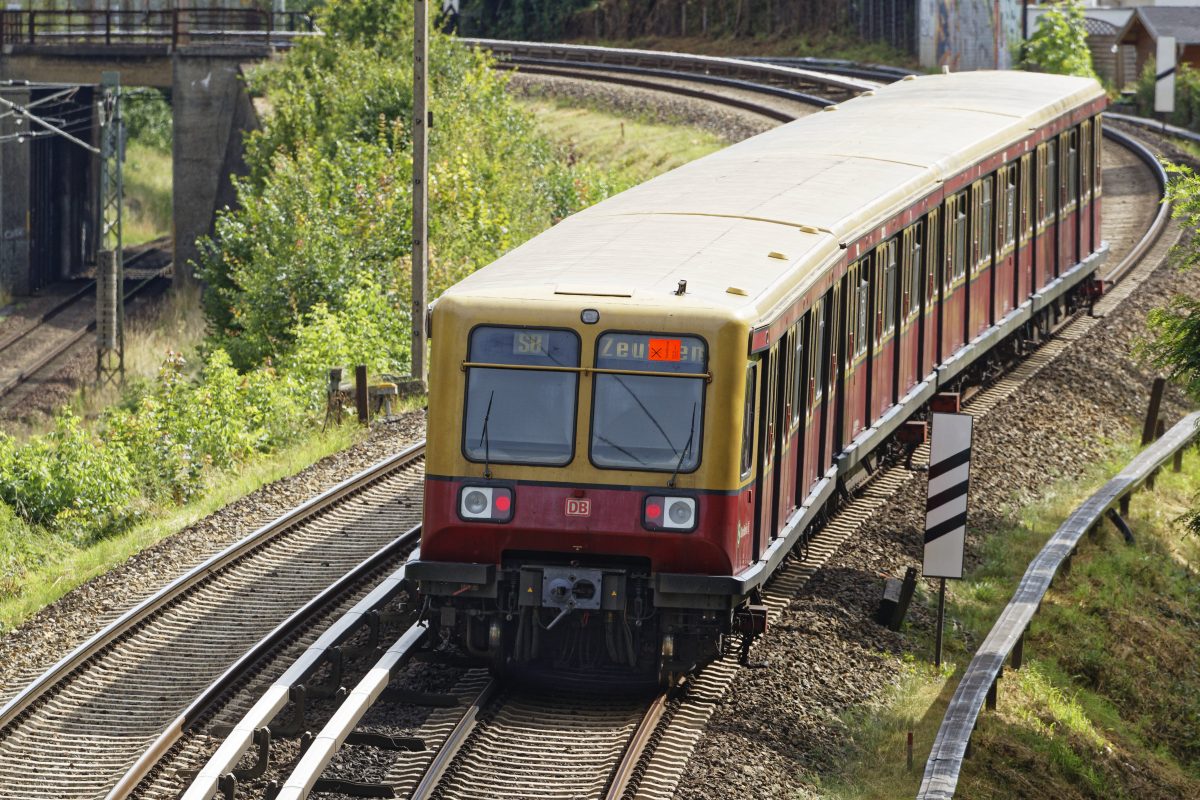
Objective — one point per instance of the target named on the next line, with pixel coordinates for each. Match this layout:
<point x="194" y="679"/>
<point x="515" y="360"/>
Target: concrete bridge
<point x="198" y="54"/>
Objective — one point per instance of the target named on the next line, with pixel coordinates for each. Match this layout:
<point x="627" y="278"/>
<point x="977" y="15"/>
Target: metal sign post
<point x="946" y="508"/>
<point x="420" y="222"/>
<point x="1164" y="81"/>
<point x="110" y="286"/>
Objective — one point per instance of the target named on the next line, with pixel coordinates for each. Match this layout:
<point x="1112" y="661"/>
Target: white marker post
<point x="946" y="508"/>
<point x="1164" y="81"/>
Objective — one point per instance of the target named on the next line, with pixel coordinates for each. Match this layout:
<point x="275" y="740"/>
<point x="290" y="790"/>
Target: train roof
<point x="766" y="216"/>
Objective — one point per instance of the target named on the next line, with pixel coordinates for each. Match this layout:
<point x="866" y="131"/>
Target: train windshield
<point x="517" y="413"/>
<point x="651" y="421"/>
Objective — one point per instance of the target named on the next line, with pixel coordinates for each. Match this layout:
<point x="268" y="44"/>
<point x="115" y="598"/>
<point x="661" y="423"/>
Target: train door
<point x="1097" y="179"/>
<point x="1087" y="233"/>
<point x="931" y="312"/>
<point x="954" y="278"/>
<point x="854" y="380"/>
<point x="1068" y="199"/>
<point x="788" y="446"/>
<point x="1004" y="291"/>
<point x="815" y="406"/>
<point x="979" y="294"/>
<point x="835" y="335"/>
<point x="882" y="388"/>
<point x="1025" y="244"/>
<point x="768" y="437"/>
<point x="747" y="545"/>
<point x="908" y="343"/>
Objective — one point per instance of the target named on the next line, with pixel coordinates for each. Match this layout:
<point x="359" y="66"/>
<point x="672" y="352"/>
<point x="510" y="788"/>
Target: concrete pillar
<point x="14" y="207"/>
<point x="212" y="112"/>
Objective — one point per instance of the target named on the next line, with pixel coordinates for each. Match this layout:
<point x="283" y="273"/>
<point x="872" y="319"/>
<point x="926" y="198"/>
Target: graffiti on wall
<point x="969" y="34"/>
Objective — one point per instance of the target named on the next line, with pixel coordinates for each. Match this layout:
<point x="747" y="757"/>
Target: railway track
<point x="457" y="735"/>
<point x="33" y="350"/>
<point x="77" y="730"/>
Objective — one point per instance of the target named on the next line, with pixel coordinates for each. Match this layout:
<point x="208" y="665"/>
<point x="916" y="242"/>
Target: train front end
<point x="584" y="496"/>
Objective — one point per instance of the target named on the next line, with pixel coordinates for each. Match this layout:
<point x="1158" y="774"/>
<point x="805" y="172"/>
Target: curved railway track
<point x="77" y="729"/>
<point x="31" y="351"/>
<point x="469" y="737"/>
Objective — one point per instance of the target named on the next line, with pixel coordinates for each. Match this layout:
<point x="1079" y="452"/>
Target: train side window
<point x="957" y="214"/>
<point x="795" y="389"/>
<point x="817" y="351"/>
<point x="986" y="223"/>
<point x="1072" y="145"/>
<point x="933" y="258"/>
<point x="861" y="304"/>
<point x="1027" y="217"/>
<point x="1051" y="181"/>
<point x="913" y="264"/>
<point x="1041" y="186"/>
<point x="1085" y="146"/>
<point x="1097" y="157"/>
<point x="854" y="298"/>
<point x="748" y="419"/>
<point x="890" y="283"/>
<point x="1010" y="206"/>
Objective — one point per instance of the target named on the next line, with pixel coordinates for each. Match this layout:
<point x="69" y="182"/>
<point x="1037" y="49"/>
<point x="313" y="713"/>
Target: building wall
<point x="969" y="34"/>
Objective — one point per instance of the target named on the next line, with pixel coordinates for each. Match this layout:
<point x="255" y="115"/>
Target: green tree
<point x="1175" y="347"/>
<point x="1059" y="43"/>
<point x="328" y="197"/>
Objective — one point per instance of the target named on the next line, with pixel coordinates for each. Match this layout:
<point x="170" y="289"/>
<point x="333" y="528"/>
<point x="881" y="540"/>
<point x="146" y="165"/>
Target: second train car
<point x="636" y="415"/>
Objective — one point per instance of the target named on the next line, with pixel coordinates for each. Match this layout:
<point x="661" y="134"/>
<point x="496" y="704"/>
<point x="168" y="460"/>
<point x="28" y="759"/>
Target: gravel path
<point x="30" y="649"/>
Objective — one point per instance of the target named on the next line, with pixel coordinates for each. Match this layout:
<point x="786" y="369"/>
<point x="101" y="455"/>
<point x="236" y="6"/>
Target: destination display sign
<point x="651" y="352"/>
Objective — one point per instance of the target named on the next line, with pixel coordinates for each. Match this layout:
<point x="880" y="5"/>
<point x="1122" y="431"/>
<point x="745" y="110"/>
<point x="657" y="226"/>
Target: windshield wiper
<point x="686" y="448"/>
<point x="483" y="437"/>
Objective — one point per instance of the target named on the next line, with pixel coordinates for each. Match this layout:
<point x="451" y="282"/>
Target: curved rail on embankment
<point x="979" y="682"/>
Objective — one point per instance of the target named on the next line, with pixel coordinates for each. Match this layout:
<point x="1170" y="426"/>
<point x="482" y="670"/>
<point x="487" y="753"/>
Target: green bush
<point x="1187" y="95"/>
<point x="328" y="198"/>
<point x="147" y="116"/>
<point x="1059" y="43"/>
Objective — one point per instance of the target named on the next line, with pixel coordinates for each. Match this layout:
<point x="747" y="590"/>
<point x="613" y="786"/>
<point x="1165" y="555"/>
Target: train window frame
<point x="816" y="388"/>
<point x="956" y="218"/>
<point x="1097" y="160"/>
<point x="889" y="270"/>
<point x="985" y="229"/>
<point x="749" y="417"/>
<point x="915" y="253"/>
<point x="1009" y="238"/>
<point x="1085" y="171"/>
<point x="1027" y="212"/>
<point x="703" y="376"/>
<point x="1040" y="202"/>
<point x="862" y="327"/>
<point x="933" y="258"/>
<point x="796" y="389"/>
<point x="1070" y="141"/>
<point x="576" y="373"/>
<point x="1052" y="180"/>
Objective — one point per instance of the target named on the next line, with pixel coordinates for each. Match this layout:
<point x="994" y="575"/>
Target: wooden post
<point x="360" y="393"/>
<point x="1156" y="393"/>
<point x="1018" y="651"/>
<point x="420" y="221"/>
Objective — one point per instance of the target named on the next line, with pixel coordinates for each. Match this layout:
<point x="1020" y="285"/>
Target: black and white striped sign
<point x="946" y="509"/>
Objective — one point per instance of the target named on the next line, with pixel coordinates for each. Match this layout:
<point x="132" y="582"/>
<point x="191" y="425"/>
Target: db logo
<point x="579" y="507"/>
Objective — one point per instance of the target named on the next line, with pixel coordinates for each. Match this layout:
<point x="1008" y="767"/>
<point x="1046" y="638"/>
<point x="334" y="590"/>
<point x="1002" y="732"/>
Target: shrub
<point x="1187" y="95"/>
<point x="1059" y="43"/>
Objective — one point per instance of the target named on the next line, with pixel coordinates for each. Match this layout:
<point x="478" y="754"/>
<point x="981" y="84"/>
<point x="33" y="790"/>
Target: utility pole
<point x="420" y="220"/>
<point x="110" y="278"/>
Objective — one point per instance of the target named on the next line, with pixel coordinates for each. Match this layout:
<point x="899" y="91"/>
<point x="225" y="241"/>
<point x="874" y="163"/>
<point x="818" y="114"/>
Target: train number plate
<point x="579" y="507"/>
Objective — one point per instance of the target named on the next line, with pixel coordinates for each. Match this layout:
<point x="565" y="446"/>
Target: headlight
<point x="485" y="503"/>
<point x="669" y="513"/>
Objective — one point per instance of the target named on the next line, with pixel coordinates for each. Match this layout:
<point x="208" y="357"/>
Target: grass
<point x="37" y="568"/>
<point x="627" y="151"/>
<point x="148" y="183"/>
<point x="1108" y="702"/>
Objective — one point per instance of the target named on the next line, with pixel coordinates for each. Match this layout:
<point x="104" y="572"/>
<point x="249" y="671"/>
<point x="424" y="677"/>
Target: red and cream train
<point x="634" y="416"/>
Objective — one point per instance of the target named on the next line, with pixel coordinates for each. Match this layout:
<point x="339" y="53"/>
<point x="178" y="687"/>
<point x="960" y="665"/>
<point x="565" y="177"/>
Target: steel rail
<point x="453" y="744"/>
<point x="625" y="774"/>
<point x="360" y="699"/>
<point x="678" y="62"/>
<point x="1164" y="209"/>
<point x="950" y="746"/>
<point x="76" y="336"/>
<point x="1155" y="127"/>
<point x="567" y="68"/>
<point x="202" y="573"/>
<point x="223" y="761"/>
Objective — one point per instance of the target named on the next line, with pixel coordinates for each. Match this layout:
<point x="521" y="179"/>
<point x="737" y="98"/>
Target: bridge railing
<point x="169" y="28"/>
